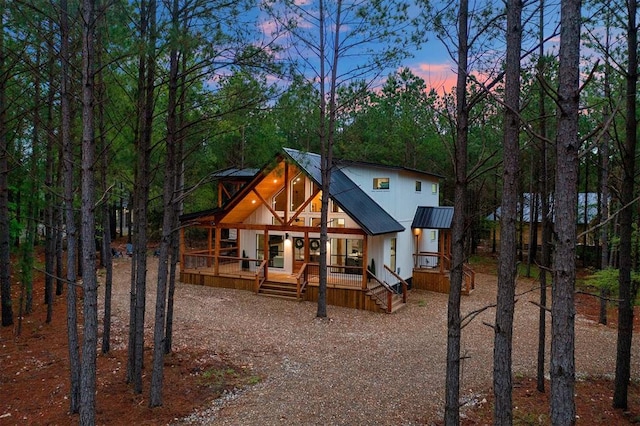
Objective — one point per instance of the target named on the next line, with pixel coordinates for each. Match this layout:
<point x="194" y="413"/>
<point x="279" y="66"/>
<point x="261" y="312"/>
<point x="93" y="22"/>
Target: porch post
<point x="266" y="250"/>
<point x="216" y="259"/>
<point x="365" y="261"/>
<point x="209" y="246"/>
<point x="441" y="249"/>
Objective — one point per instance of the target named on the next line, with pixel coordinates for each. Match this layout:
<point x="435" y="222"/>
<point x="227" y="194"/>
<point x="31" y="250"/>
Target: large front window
<point x="346" y="252"/>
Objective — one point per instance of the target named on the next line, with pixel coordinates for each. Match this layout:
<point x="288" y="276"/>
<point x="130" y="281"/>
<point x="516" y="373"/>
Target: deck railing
<point x="261" y="275"/>
<point x="337" y="275"/>
<point x="386" y="297"/>
<point x="302" y="279"/>
<point x="431" y="260"/>
<point x="402" y="286"/>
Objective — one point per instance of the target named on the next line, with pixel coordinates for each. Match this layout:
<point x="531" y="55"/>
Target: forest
<point x="112" y="109"/>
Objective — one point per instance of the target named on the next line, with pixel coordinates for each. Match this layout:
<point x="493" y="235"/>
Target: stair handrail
<point x="469" y="277"/>
<point x="403" y="283"/>
<point x="260" y="276"/>
<point x="389" y="291"/>
<point x="303" y="274"/>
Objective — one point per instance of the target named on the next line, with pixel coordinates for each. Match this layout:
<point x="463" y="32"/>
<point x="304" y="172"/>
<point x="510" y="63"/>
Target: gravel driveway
<point x="357" y="368"/>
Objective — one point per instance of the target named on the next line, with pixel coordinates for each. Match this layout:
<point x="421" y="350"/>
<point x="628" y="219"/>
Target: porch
<point x="431" y="272"/>
<point x="348" y="286"/>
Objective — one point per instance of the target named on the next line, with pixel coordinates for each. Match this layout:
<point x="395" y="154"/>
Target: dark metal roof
<point x="195" y="215"/>
<point x="372" y="218"/>
<point x="234" y="173"/>
<point x="433" y="218"/>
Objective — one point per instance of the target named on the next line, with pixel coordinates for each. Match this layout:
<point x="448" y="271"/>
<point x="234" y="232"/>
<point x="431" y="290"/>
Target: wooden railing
<point x="261" y="275"/>
<point x="302" y="279"/>
<point x="403" y="283"/>
<point x="337" y="275"/>
<point x="385" y="299"/>
<point x="198" y="259"/>
<point x="469" y="278"/>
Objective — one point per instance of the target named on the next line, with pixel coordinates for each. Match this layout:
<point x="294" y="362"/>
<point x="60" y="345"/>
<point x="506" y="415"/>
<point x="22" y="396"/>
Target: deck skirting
<point x="344" y="297"/>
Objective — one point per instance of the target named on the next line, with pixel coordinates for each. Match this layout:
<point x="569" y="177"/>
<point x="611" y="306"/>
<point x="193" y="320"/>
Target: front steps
<point x="281" y="290"/>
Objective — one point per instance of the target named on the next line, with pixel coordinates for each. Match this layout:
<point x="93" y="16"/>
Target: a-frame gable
<point x="368" y="214"/>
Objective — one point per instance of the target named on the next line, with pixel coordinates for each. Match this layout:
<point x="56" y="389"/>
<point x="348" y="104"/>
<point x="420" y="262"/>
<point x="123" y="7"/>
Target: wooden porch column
<point x="365" y="262"/>
<point x="441" y="249"/>
<point x="209" y="248"/>
<point x="266" y="250"/>
<point x="216" y="259"/>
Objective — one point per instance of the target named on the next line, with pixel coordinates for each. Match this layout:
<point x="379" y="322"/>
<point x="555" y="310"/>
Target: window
<point x="315" y="221"/>
<point x="434" y="188"/>
<point x="337" y="223"/>
<point x="260" y="246"/>
<point x="347" y="252"/>
<point x="316" y="203"/>
<point x="297" y="192"/>
<point x="276" y="251"/>
<point x="314" y="250"/>
<point x="418" y="186"/>
<point x="433" y="235"/>
<point x="280" y="201"/>
<point x="298" y="249"/>
<point x="336" y="208"/>
<point x="380" y="183"/>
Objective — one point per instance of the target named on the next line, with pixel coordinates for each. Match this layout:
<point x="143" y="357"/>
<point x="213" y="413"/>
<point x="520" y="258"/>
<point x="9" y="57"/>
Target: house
<point x="386" y="232"/>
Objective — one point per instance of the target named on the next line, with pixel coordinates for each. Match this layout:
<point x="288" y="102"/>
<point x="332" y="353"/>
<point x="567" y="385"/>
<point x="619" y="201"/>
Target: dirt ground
<point x="34" y="380"/>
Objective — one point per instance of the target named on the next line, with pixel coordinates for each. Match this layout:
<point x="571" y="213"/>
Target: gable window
<point x="418" y="186"/>
<point x="280" y="201"/>
<point x="297" y="192"/>
<point x="434" y="188"/>
<point x="316" y="203"/>
<point x="381" y="183"/>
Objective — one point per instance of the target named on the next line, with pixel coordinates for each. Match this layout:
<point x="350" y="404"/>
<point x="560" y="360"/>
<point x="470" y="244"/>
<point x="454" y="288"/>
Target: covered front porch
<point x="287" y="265"/>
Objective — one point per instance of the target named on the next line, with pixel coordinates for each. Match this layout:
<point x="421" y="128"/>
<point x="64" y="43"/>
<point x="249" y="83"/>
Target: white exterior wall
<point x="401" y="201"/>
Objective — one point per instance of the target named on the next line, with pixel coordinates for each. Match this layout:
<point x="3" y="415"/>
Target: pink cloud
<point x="440" y="77"/>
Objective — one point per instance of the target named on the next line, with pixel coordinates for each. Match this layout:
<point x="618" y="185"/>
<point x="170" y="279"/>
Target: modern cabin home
<point x="386" y="233"/>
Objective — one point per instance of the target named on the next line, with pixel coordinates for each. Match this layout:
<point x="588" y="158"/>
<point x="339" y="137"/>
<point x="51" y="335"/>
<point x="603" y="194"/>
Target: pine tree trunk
<point x="157" y="375"/>
<point x="507" y="270"/>
<point x="5" y="260"/>
<point x="88" y="227"/>
<point x="70" y="221"/>
<point x="458" y="231"/>
<point x="626" y="292"/>
<point x="563" y="409"/>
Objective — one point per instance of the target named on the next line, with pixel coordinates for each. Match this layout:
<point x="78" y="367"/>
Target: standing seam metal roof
<point x="372" y="218"/>
<point x="432" y="218"/>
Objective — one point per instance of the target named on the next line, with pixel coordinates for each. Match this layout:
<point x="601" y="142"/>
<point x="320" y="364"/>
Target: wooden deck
<point x="433" y="279"/>
<point x="338" y="294"/>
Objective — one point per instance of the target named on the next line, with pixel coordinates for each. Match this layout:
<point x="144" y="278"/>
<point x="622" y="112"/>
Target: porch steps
<point x="378" y="293"/>
<point x="281" y="290"/>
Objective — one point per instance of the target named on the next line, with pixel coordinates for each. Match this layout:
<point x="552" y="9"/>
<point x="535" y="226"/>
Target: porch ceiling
<point x="257" y="195"/>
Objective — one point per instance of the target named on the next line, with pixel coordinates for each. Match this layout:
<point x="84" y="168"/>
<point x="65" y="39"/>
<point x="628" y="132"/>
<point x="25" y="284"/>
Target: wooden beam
<point x="273" y="212"/>
<point x="303" y="206"/>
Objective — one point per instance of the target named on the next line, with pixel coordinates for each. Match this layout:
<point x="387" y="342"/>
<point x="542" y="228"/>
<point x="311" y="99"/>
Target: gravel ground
<point x="357" y="368"/>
